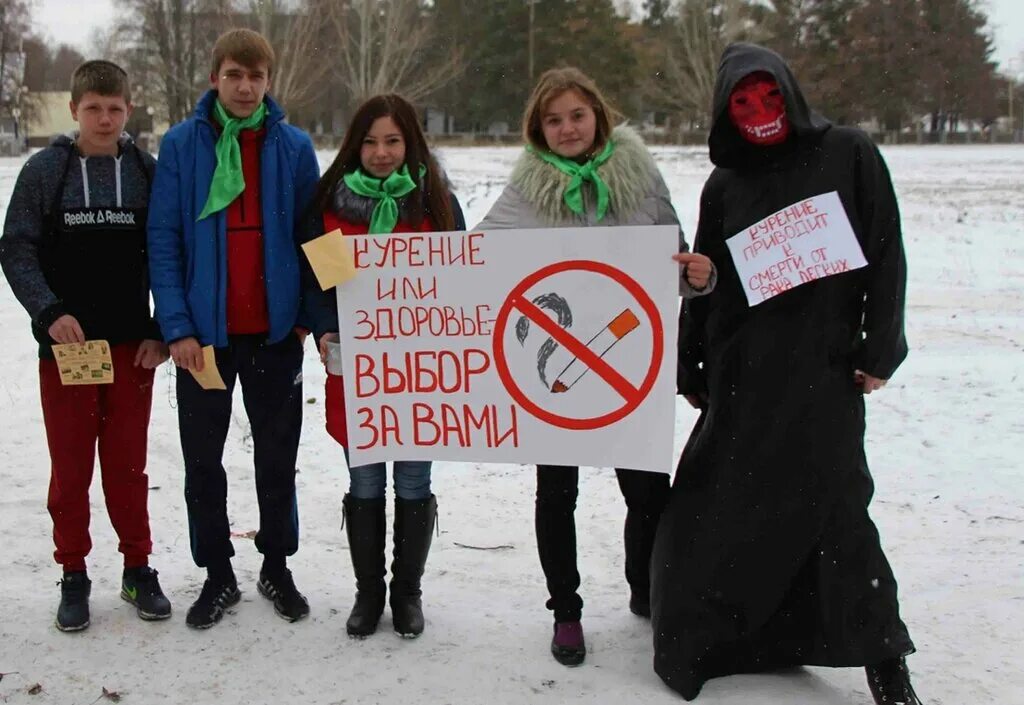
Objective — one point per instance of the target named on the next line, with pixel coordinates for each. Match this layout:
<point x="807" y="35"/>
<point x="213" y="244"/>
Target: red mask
<point x="758" y="109"/>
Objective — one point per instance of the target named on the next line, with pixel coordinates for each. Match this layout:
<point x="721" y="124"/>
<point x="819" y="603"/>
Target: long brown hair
<point x="553" y="83"/>
<point x="432" y="201"/>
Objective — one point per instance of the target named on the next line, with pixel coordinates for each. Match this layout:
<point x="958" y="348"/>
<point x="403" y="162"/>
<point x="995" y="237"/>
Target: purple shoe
<point x="567" y="644"/>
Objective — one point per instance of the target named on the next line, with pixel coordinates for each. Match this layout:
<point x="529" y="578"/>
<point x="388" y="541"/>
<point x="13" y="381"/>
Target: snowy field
<point x="944" y="441"/>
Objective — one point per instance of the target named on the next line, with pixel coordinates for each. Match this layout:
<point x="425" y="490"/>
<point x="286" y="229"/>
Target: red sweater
<point x="247" y="287"/>
<point x="332" y="222"/>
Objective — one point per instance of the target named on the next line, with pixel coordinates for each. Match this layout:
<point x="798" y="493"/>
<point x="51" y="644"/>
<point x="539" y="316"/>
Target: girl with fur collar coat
<point x="384" y="180"/>
<point x="578" y="171"/>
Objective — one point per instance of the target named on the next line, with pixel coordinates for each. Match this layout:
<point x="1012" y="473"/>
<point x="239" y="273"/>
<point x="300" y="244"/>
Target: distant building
<point x="52" y="116"/>
<point x="437" y="121"/>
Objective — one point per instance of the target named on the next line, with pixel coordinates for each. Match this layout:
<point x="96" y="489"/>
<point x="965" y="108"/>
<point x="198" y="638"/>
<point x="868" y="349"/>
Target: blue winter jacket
<point x="188" y="259"/>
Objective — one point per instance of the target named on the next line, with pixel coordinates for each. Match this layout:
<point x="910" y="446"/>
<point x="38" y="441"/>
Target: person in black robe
<point x="766" y="556"/>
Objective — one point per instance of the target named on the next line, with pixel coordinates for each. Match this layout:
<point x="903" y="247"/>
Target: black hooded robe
<point x="766" y="556"/>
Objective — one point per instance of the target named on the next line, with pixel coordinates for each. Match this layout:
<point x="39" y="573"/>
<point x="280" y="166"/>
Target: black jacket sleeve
<point x="883" y="345"/>
<point x="22" y="241"/>
<point x="148" y="164"/>
<point x="457" y="215"/>
<point x="691" y="378"/>
<point x="321" y="307"/>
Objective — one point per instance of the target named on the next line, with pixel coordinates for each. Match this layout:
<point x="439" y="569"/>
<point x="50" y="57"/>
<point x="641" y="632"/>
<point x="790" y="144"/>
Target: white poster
<point x="528" y="346"/>
<point x="808" y="240"/>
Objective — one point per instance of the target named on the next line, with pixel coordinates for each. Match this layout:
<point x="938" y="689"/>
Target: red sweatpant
<point x="116" y="418"/>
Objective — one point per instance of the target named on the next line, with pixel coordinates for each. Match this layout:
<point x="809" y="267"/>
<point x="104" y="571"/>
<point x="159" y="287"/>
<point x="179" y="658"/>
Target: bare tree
<point x="702" y="29"/>
<point x="167" y="46"/>
<point x="299" y="31"/>
<point x="15" y="99"/>
<point x="14" y="22"/>
<point x="383" y="46"/>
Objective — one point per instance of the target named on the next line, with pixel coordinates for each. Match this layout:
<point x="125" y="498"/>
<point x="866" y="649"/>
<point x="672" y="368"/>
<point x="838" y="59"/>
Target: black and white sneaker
<point x="280" y="588"/>
<point x="209" y="607"/>
<point x="889" y="682"/>
<point x="73" y="611"/>
<point x="140" y="587"/>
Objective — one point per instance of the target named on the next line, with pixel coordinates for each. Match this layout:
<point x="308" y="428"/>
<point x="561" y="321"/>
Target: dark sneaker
<point x="567" y="644"/>
<point x="209" y="607"/>
<point x="140" y="587"/>
<point x="280" y="589"/>
<point x="640" y="605"/>
<point x="73" y="611"/>
<point x="889" y="682"/>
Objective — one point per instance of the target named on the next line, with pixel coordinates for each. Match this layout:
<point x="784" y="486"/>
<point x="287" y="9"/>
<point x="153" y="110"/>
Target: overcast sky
<point x="74" y="21"/>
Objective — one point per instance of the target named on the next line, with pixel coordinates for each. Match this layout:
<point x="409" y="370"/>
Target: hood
<point x="204" y="109"/>
<point x="728" y="147"/>
<point x="354" y="208"/>
<point x="70" y="139"/>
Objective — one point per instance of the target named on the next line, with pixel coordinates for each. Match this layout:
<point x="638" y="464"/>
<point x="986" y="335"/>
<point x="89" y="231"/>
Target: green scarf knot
<point x="385" y="191"/>
<point x="581" y="172"/>
<point x="228" y="179"/>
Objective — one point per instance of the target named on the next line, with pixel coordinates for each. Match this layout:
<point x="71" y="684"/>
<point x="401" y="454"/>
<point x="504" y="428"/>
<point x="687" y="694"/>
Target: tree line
<point x="473" y="61"/>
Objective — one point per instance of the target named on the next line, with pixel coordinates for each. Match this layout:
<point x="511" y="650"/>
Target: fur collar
<point x="628" y="174"/>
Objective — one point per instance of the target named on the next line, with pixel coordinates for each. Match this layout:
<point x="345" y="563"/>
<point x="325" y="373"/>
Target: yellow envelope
<point x="331" y="259"/>
<point x="84" y="363"/>
<point x="210" y="377"/>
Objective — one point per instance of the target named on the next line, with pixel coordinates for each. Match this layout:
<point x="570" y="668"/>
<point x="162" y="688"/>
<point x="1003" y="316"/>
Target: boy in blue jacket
<point x="74" y="252"/>
<point x="232" y="184"/>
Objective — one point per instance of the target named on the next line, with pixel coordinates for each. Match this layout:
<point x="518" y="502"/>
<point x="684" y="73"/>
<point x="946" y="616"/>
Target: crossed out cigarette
<point x="623" y="324"/>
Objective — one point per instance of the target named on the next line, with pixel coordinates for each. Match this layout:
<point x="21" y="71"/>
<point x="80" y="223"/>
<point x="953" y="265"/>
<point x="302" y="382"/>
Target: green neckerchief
<point x="228" y="179"/>
<point x="384" y="191"/>
<point x="581" y="172"/>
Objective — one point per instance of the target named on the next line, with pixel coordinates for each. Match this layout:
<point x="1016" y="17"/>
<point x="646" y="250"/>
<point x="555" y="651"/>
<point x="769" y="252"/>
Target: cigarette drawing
<point x="600" y="344"/>
<point x="560" y="307"/>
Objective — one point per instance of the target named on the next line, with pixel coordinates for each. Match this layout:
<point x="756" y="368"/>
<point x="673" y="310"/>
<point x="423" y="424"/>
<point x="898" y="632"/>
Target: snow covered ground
<point x="945" y="443"/>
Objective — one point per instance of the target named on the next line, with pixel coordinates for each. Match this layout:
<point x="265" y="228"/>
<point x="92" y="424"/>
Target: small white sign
<point x="808" y="240"/>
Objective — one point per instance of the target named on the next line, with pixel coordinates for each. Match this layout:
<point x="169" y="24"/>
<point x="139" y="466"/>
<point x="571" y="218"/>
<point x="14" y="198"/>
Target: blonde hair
<point x="553" y="83"/>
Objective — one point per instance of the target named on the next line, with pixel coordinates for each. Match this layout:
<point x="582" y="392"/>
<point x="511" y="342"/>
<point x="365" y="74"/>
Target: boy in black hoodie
<point x="73" y="251"/>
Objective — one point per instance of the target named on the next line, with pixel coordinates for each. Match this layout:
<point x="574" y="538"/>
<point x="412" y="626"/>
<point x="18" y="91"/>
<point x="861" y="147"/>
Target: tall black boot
<point x="365" y="525"/>
<point x="889" y="682"/>
<point x="646" y="494"/>
<point x="414" y="526"/>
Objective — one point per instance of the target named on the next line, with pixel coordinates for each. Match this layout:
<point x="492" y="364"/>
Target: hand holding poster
<point x="808" y="240"/>
<point x="532" y="346"/>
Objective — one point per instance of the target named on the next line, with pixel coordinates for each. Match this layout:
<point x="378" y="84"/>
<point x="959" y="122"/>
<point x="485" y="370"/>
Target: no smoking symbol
<point x="631" y="394"/>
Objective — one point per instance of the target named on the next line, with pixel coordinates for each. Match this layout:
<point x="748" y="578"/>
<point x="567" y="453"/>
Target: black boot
<point x="889" y="682"/>
<point x="73" y="611"/>
<point x="365" y="525"/>
<point x="414" y="527"/>
<point x="646" y="494"/>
